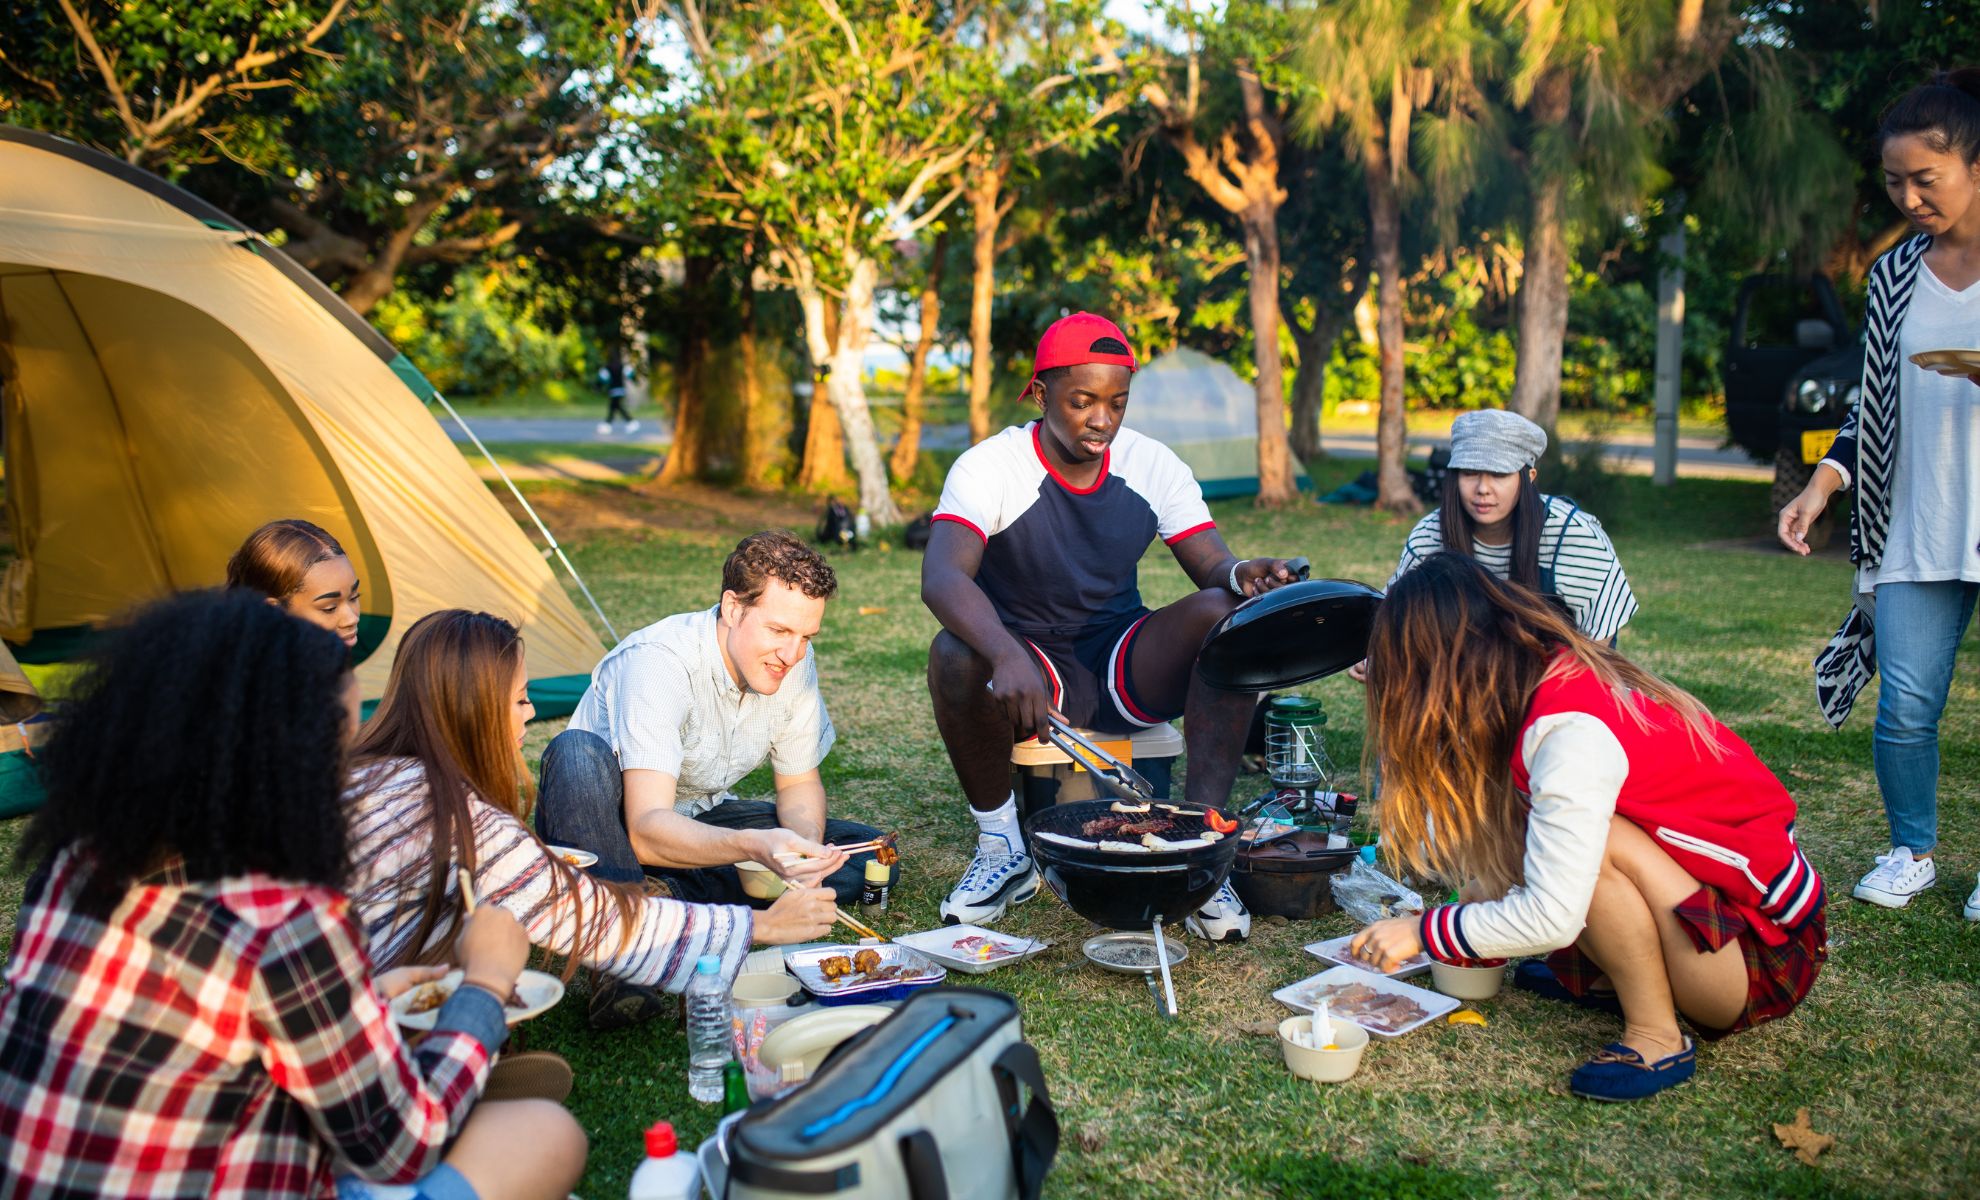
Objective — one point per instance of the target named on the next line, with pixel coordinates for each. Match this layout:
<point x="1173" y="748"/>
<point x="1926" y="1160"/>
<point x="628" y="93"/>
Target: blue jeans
<point x="1918" y="631"/>
<point x="581" y="802"/>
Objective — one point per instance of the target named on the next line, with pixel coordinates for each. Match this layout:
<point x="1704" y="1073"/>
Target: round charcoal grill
<point x="1125" y="890"/>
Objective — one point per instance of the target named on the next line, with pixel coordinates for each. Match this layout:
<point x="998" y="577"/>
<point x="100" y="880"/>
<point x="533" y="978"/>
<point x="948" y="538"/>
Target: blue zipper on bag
<point x="882" y="1086"/>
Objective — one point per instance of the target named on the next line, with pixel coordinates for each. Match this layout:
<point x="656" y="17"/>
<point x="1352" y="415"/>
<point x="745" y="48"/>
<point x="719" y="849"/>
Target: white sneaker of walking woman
<point x="1973" y="904"/>
<point x="1896" y="878"/>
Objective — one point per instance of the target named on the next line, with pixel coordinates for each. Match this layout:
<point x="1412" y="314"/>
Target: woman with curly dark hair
<point x="189" y="1010"/>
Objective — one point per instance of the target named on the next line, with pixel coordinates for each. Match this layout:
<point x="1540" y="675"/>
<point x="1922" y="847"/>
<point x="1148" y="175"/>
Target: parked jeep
<point x="1792" y="373"/>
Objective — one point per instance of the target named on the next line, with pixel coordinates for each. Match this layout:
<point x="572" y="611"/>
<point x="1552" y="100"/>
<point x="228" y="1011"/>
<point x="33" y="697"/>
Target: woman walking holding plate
<point x="1911" y="449"/>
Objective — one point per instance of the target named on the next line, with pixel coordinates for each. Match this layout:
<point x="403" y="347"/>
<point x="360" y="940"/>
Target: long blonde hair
<point x="1454" y="658"/>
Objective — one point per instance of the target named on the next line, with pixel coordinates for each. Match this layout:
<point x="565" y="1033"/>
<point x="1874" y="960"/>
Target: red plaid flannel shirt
<point x="218" y="1039"/>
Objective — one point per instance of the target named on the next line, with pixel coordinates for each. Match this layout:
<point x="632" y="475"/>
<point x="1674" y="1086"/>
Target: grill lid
<point x="1289" y="636"/>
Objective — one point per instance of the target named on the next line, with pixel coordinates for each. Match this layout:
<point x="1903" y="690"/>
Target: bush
<point x="494" y="328"/>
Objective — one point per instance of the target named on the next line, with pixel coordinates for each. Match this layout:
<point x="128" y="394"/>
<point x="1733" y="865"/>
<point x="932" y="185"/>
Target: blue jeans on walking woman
<point x="1919" y="627"/>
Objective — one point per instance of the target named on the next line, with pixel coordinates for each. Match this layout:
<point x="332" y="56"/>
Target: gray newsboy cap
<point x="1495" y="441"/>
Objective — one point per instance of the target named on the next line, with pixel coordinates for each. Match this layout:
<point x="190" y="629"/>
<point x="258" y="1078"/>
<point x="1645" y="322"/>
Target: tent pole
<point x="540" y="526"/>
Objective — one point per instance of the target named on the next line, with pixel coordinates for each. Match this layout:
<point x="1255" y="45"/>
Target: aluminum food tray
<point x="804" y="965"/>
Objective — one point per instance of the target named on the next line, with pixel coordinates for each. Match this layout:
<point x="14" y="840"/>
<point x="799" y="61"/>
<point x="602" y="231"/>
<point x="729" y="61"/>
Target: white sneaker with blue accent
<point x="1223" y="919"/>
<point x="1896" y="878"/>
<point x="1972" y="912"/>
<point x="1000" y="875"/>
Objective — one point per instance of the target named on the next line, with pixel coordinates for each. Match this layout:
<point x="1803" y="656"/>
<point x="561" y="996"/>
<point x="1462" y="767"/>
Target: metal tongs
<point x="1113" y="774"/>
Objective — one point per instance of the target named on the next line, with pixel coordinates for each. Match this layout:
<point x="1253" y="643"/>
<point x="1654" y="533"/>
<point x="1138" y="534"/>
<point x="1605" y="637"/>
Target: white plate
<point x="1300" y="997"/>
<point x="940" y="945"/>
<point x="537" y="991"/>
<point x="1336" y="951"/>
<point x="1949" y="362"/>
<point x="574" y="856"/>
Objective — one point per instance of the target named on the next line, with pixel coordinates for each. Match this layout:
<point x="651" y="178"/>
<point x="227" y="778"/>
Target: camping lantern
<point x="1295" y="748"/>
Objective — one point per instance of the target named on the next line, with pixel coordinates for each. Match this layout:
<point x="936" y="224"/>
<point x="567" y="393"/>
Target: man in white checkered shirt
<point x="676" y="715"/>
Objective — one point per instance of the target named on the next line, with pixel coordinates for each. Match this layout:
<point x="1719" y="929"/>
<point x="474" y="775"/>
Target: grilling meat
<point x="1116" y="825"/>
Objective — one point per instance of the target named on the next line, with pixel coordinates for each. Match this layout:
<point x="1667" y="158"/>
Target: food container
<point x="1325" y="1066"/>
<point x="574" y="856"/>
<point x="759" y="882"/>
<point x="918" y="972"/>
<point x="1382" y="1006"/>
<point x="1335" y="950"/>
<point x="1469" y="983"/>
<point x="972" y="949"/>
<point x="765" y="991"/>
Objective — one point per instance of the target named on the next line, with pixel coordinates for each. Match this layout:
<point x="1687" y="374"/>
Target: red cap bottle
<point x="660" y="1140"/>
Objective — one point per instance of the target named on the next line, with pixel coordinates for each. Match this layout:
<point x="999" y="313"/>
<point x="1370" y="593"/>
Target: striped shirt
<point x="392" y="847"/>
<point x="217" y="1039"/>
<point x="1586" y="572"/>
<point x="664" y="701"/>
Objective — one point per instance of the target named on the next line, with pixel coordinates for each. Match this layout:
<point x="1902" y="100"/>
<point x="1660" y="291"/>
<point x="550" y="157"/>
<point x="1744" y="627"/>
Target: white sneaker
<point x="1896" y="879"/>
<point x="1000" y="875"/>
<point x="632" y="426"/>
<point x="604" y="428"/>
<point x="1973" y="905"/>
<point x="1223" y="919"/>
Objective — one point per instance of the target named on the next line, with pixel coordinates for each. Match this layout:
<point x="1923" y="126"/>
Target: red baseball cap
<point x="1081" y="338"/>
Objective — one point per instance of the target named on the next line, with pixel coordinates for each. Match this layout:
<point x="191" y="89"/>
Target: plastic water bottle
<point x="667" y="1174"/>
<point x="710" y="1031"/>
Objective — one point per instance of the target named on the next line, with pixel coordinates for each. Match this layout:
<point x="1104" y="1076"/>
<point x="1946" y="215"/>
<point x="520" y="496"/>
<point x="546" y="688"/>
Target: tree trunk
<point x="688" y="458"/>
<point x="1543" y="283"/>
<point x="847" y="386"/>
<point x="1261" y="254"/>
<point x="1310" y="386"/>
<point x="765" y="422"/>
<point x="824" y="464"/>
<point x="986" y="215"/>
<point x="1392" y="490"/>
<point x="907" y="450"/>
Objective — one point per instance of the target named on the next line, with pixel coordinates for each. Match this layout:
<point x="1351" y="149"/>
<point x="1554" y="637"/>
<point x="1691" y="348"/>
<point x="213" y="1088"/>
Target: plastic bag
<point x="1367" y="895"/>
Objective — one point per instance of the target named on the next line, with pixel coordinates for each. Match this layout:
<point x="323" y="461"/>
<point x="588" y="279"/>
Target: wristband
<point x="1232" y="583"/>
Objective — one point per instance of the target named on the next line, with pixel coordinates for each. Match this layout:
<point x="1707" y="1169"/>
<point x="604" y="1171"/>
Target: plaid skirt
<point x="1777" y="977"/>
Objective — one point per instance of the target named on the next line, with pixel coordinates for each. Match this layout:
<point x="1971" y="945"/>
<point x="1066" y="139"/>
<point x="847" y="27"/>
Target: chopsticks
<point x="467" y="889"/>
<point x="856" y="927"/>
<point x="886" y="839"/>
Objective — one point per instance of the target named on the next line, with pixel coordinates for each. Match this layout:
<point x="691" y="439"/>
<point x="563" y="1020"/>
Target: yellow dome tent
<point x="171" y="381"/>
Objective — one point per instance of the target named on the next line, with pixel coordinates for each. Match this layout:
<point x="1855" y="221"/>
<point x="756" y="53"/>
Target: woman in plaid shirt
<point x="189" y="1010"/>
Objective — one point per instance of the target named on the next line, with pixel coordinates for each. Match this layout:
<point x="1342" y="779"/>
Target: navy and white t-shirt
<point x="1058" y="558"/>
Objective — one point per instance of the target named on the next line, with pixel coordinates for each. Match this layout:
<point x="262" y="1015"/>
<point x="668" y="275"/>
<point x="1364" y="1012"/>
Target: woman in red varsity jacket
<point x="1613" y="824"/>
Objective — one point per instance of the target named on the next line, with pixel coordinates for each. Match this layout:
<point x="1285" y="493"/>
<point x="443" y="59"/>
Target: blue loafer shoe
<point x="1537" y="977"/>
<point x="1617" y="1073"/>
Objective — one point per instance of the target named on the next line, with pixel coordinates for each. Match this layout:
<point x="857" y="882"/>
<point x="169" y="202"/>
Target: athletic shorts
<point x="1777" y="977"/>
<point x="1090" y="674"/>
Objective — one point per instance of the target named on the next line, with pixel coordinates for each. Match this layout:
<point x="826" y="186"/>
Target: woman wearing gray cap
<point x="1493" y="512"/>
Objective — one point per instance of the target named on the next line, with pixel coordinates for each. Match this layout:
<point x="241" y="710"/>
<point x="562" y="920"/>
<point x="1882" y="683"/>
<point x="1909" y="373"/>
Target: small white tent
<point x="1199" y="408"/>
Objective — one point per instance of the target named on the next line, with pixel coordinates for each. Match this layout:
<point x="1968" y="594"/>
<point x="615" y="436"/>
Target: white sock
<point x="1002" y="822"/>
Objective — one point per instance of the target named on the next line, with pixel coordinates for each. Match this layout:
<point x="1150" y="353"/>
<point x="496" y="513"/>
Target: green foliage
<point x="493" y="329"/>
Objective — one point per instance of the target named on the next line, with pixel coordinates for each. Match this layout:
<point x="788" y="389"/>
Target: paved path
<point x="1629" y="452"/>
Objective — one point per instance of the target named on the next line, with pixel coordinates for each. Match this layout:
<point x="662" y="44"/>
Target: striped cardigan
<point x="1866" y="450"/>
<point x="392" y="853"/>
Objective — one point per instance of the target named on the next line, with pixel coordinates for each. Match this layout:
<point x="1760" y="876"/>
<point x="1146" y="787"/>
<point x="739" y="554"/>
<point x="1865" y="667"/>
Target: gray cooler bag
<point x="944" y="1100"/>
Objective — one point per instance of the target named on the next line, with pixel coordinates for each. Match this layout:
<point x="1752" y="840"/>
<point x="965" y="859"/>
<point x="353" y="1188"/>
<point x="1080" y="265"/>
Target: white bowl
<point x="760" y="882"/>
<point x="1325" y="1066"/>
<point x="764" y="991"/>
<point x="1468" y="983"/>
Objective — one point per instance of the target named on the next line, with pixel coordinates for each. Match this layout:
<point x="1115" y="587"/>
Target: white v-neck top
<point x="1935" y="511"/>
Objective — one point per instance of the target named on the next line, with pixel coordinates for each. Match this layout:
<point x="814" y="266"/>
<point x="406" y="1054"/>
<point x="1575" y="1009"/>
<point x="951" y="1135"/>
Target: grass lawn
<point x="1883" y="1054"/>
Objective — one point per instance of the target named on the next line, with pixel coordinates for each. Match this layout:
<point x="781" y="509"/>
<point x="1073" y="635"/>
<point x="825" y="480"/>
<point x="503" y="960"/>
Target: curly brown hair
<point x="775" y="554"/>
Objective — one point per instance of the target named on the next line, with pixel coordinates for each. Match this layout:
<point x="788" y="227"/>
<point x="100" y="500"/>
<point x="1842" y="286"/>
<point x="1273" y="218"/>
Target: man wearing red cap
<point x="1031" y="568"/>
